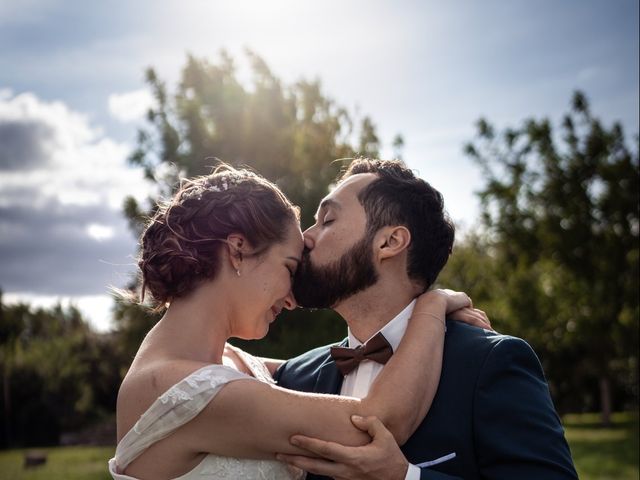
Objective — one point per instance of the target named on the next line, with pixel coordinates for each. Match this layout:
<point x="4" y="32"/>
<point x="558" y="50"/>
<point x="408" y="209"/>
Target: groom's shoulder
<point x="312" y="359"/>
<point x="299" y="371"/>
<point x="478" y="343"/>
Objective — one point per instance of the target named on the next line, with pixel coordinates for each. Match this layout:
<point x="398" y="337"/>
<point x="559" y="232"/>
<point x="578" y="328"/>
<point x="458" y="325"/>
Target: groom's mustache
<point x="324" y="286"/>
<point x="301" y="280"/>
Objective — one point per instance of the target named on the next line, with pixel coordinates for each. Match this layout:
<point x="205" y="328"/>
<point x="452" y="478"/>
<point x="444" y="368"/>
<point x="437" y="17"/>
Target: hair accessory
<point x="197" y="190"/>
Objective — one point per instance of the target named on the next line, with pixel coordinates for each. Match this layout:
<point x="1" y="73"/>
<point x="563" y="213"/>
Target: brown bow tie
<point x="376" y="349"/>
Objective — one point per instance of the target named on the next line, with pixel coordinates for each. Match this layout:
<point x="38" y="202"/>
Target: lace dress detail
<point x="182" y="402"/>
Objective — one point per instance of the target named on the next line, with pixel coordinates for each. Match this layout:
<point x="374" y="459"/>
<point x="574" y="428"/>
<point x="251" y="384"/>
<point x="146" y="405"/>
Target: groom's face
<point x="338" y="259"/>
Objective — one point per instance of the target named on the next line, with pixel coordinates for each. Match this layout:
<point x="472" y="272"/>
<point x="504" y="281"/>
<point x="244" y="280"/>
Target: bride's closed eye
<point x="292" y="269"/>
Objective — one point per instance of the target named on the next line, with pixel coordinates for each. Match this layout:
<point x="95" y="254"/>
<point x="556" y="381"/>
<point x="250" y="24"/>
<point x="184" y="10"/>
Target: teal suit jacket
<point x="492" y="409"/>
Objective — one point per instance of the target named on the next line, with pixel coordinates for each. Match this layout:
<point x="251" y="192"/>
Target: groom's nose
<point x="309" y="238"/>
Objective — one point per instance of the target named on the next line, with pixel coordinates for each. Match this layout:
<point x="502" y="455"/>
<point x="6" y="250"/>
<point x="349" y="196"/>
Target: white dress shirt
<point x="357" y="383"/>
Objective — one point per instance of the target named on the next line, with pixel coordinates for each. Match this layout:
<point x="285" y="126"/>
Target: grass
<point x="604" y="453"/>
<point x="599" y="454"/>
<point x="68" y="463"/>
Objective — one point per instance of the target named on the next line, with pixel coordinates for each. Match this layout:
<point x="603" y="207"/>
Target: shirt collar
<point x="392" y="331"/>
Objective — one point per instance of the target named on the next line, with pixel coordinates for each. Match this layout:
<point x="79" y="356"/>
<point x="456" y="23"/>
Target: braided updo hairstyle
<point x="181" y="243"/>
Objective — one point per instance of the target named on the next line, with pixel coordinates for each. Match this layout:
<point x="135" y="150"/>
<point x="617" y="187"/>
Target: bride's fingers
<point x="456" y="300"/>
<point x="484" y="316"/>
<point x="472" y="316"/>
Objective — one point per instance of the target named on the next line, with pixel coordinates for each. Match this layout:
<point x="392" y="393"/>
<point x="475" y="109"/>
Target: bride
<point x="220" y="257"/>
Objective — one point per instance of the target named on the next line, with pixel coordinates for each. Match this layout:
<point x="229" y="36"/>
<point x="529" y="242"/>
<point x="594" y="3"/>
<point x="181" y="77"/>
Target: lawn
<point x="63" y="463"/>
<point x="604" y="453"/>
<point x="599" y="454"/>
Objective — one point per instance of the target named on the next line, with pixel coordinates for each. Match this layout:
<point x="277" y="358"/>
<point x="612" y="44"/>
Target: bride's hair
<point x="181" y="244"/>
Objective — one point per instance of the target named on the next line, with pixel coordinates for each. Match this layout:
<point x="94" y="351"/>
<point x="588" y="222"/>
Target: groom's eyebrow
<point x="326" y="203"/>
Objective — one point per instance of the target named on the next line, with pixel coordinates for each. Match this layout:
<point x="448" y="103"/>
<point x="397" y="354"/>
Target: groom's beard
<point x="326" y="286"/>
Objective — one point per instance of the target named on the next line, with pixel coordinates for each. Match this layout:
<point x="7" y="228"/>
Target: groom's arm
<point x="517" y="431"/>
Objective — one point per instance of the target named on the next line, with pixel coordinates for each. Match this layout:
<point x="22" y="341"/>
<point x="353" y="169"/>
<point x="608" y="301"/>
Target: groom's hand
<point x="379" y="460"/>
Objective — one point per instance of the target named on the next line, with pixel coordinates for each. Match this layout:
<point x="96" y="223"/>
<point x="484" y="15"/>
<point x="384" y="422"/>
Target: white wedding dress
<point x="181" y="403"/>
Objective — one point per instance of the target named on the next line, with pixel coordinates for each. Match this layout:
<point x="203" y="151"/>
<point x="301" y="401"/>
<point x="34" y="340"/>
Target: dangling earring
<point x="238" y="271"/>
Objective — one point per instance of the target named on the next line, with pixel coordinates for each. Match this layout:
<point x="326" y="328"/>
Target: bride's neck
<point x="196" y="327"/>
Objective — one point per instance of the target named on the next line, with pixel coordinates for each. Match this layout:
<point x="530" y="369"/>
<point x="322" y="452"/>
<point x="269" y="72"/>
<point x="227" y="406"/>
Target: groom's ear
<point x="391" y="241"/>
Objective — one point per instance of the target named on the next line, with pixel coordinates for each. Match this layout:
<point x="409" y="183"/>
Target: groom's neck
<point x="368" y="311"/>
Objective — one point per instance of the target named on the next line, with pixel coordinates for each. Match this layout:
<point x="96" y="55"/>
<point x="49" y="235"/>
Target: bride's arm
<point x="255" y="420"/>
<point x="469" y="315"/>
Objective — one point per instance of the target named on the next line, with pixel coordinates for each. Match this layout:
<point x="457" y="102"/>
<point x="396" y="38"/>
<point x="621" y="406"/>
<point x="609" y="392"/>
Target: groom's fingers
<point x="372" y="425"/>
<point x="380" y="459"/>
<point x="313" y="465"/>
<point x="329" y="450"/>
<point x="336" y="451"/>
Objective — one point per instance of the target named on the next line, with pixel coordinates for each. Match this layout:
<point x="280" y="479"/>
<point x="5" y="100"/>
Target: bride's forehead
<point x="297" y="239"/>
<point x="294" y="238"/>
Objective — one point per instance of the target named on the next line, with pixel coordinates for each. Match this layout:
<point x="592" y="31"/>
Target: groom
<point x="492" y="416"/>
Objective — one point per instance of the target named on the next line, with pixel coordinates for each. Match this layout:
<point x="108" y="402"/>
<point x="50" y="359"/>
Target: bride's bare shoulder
<point x="144" y="383"/>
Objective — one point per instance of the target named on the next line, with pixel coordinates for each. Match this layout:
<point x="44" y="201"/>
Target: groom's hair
<point x="398" y="197"/>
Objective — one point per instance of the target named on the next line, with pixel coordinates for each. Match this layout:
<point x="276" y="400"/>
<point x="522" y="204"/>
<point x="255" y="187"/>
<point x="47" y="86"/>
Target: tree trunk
<point x="605" y="400"/>
<point x="6" y="381"/>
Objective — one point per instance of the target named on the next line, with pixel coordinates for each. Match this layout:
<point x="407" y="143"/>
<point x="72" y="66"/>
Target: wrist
<point x="413" y="473"/>
<point x="433" y="301"/>
<point x="431" y="319"/>
<point x="403" y="470"/>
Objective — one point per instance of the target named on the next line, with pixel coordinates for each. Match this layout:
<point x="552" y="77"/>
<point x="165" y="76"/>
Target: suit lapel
<point x="329" y="379"/>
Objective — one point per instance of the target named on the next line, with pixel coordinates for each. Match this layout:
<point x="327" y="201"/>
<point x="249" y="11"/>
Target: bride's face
<point x="267" y="285"/>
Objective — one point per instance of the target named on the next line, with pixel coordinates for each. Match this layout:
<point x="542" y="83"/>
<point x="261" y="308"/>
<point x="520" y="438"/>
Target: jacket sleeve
<point x="517" y="431"/>
<point x="278" y="373"/>
<point x="427" y="474"/>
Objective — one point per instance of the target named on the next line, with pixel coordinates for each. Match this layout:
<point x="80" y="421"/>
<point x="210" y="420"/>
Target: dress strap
<point x="256" y="366"/>
<point x="178" y="405"/>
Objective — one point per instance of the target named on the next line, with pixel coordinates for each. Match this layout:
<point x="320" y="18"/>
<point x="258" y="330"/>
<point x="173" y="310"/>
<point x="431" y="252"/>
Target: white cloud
<point x="130" y="106"/>
<point x="96" y="309"/>
<point x="99" y="232"/>
<point x="62" y="185"/>
<point x="76" y="164"/>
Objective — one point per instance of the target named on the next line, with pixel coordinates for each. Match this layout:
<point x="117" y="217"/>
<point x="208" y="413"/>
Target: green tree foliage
<point x="58" y="375"/>
<point x="557" y="262"/>
<point x="291" y="134"/>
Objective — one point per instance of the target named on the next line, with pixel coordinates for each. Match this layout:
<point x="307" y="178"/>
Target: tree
<point x="398" y="146"/>
<point x="561" y="219"/>
<point x="291" y="134"/>
<point x="58" y="374"/>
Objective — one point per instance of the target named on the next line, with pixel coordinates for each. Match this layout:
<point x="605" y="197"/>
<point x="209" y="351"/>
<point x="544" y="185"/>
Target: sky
<point x="72" y="96"/>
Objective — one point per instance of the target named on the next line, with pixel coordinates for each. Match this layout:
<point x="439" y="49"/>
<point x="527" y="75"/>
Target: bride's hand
<point x="472" y="316"/>
<point x="450" y="300"/>
<point x="457" y="305"/>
